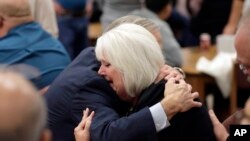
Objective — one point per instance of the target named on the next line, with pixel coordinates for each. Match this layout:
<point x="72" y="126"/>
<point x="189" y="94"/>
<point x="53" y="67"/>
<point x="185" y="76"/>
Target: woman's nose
<point x="101" y="70"/>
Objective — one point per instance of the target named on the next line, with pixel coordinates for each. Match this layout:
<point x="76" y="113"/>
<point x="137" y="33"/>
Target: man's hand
<point x="178" y="98"/>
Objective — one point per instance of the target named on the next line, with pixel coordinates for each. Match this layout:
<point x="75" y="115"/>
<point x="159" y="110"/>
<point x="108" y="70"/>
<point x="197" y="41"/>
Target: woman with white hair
<point x="80" y="87"/>
<point x="131" y="60"/>
<point x="135" y="54"/>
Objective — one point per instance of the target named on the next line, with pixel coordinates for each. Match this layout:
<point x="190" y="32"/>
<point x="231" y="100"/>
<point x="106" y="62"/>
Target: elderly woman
<point x="131" y="60"/>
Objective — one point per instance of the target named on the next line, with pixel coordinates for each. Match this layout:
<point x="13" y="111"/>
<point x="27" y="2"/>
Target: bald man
<point x="23" y="41"/>
<point x="242" y="46"/>
<point x="23" y="111"/>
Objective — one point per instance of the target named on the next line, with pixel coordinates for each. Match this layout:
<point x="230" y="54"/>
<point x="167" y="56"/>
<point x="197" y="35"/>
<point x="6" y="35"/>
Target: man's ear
<point x="1" y="21"/>
<point x="46" y="135"/>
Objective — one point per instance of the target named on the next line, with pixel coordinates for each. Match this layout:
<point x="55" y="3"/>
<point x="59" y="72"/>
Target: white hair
<point x="134" y="52"/>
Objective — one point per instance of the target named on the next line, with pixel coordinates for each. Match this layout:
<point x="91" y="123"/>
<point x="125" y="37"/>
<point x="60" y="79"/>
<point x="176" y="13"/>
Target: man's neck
<point x="13" y="22"/>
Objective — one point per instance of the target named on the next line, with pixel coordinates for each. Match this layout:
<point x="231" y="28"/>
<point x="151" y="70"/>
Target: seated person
<point x="23" y="41"/>
<point x="158" y="11"/>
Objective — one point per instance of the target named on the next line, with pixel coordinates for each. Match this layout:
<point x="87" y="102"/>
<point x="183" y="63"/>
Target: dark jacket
<point x="193" y="125"/>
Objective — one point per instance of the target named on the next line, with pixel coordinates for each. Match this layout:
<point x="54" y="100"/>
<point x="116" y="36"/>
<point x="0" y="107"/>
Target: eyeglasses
<point x="244" y="68"/>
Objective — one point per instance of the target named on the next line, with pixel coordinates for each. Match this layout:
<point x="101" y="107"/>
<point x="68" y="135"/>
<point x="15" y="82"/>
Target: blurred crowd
<point x="128" y="85"/>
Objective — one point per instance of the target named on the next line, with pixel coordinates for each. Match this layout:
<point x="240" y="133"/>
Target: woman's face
<point x="115" y="79"/>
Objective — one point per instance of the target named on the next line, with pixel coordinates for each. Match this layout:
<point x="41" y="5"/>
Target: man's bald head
<point x="23" y="112"/>
<point x="15" y="8"/>
<point x="242" y="43"/>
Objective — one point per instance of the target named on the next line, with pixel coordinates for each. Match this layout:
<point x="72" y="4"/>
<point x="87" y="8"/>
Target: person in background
<point x="158" y="11"/>
<point x="242" y="43"/>
<point x="114" y="9"/>
<point x="209" y="18"/>
<point x="179" y="20"/>
<point x="43" y="12"/>
<point x="23" y="41"/>
<point x="79" y="86"/>
<point x="235" y="15"/>
<point x="73" y="19"/>
<point x="239" y="9"/>
<point x="23" y="111"/>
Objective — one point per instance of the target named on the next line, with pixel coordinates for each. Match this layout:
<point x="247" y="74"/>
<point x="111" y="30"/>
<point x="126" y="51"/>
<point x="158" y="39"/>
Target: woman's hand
<point x="82" y="130"/>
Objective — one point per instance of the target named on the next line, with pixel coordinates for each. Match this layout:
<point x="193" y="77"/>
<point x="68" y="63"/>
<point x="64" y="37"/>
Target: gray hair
<point x="144" y="22"/>
<point x="134" y="52"/>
